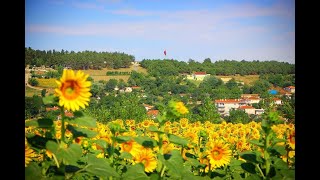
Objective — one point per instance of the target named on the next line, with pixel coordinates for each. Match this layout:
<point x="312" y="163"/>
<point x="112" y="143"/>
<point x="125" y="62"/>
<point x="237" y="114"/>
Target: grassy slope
<point x="97" y="75"/>
<point x="247" y="79"/>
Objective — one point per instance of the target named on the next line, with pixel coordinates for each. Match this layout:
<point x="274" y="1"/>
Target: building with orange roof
<point x="153" y="113"/>
<point x="277" y="101"/>
<point x="290" y="89"/>
<point x="248" y="109"/>
<point x="224" y="105"/>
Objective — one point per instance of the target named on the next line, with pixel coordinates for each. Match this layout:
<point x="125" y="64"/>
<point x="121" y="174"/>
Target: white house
<point x="259" y="111"/>
<point x="198" y="76"/>
<point x="248" y="109"/>
<point x="291" y="89"/>
<point x="127" y="89"/>
<point x="224" y="105"/>
<point x="277" y="101"/>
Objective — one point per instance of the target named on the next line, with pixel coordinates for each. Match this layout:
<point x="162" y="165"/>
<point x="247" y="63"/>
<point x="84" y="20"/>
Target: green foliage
<point x="158" y="67"/>
<point x="238" y="116"/>
<point x="77" y="60"/>
<point x="110" y="85"/>
<point x="100" y="167"/>
<point x="43" y="92"/>
<point x="33" y="82"/>
<point x="33" y="106"/>
<point x="135" y="172"/>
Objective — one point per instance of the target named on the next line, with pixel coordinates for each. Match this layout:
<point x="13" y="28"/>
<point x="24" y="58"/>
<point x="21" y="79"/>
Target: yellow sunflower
<point x="131" y="147"/>
<point x="73" y="90"/>
<point x="291" y="140"/>
<point x="181" y="108"/>
<point x="147" y="158"/>
<point x="219" y="153"/>
<point x="29" y="154"/>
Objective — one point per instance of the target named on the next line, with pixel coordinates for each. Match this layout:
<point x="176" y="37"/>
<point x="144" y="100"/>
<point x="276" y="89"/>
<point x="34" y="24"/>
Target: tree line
<point x="77" y="60"/>
<point x="158" y="67"/>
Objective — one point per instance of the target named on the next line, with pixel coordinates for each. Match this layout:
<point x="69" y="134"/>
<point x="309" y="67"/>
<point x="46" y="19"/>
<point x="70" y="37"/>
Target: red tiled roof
<point x="135" y="87"/>
<point x="250" y="95"/>
<point x="69" y="114"/>
<point x="52" y="108"/>
<point x="199" y="73"/>
<point x="228" y="100"/>
<point x="291" y="87"/>
<point x="246" y="107"/>
<point x="276" y="99"/>
<point x="153" y="112"/>
<point x="253" y="98"/>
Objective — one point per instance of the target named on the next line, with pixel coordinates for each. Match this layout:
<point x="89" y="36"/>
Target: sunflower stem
<point x="55" y="160"/>
<point x="266" y="154"/>
<point x="62" y="124"/>
<point x="257" y="165"/>
<point x="162" y="170"/>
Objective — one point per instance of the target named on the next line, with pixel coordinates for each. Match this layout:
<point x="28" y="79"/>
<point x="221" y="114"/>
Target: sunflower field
<point x="169" y="147"/>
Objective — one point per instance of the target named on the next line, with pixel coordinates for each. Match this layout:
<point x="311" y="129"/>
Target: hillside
<point x="247" y="79"/>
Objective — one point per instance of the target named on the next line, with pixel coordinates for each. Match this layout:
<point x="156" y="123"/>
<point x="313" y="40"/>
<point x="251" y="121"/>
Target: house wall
<point x="250" y="111"/>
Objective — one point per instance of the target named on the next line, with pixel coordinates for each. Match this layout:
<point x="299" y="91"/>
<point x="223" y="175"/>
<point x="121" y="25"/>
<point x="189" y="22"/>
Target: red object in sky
<point x="165" y="52"/>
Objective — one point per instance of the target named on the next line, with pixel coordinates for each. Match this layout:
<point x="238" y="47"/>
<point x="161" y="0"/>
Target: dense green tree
<point x="33" y="82"/>
<point x="43" y="92"/>
<point x="33" y="106"/>
<point x="208" y="111"/>
<point x="110" y="85"/>
<point x="232" y="83"/>
<point x="238" y="116"/>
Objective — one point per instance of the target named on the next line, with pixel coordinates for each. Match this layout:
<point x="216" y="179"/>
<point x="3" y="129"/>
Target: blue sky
<point x="186" y="29"/>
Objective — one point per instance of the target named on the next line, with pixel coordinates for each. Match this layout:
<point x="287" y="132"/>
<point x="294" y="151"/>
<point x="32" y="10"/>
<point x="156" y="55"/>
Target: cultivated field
<point x="102" y="74"/>
<point x="247" y="79"/>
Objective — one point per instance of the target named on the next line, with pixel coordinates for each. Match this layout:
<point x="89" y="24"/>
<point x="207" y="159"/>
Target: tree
<point x="238" y="116"/>
<point x="110" y="85"/>
<point x="232" y="83"/>
<point x="33" y="82"/>
<point x="207" y="61"/>
<point x="43" y="92"/>
<point x="33" y="106"/>
<point x="207" y="111"/>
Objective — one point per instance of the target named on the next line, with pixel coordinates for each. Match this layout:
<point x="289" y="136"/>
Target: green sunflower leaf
<point x="135" y="172"/>
<point x="125" y="155"/>
<point x="256" y="142"/>
<point x="77" y="131"/>
<point x="101" y="143"/>
<point x="249" y="167"/>
<point x="86" y="121"/>
<point x="251" y="157"/>
<point x="177" y="140"/>
<point x="146" y="141"/>
<point x="42" y="123"/>
<point x="52" y="146"/>
<point x="51" y="99"/>
<point x="122" y="139"/>
<point x="70" y="155"/>
<point x="32" y="171"/>
<point x="100" y="167"/>
<point x="154" y="129"/>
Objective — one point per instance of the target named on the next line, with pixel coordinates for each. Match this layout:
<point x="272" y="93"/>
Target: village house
<point x="244" y="96"/>
<point x="153" y="113"/>
<point x="248" y="109"/>
<point x="128" y="89"/>
<point x="291" y="89"/>
<point x="224" y="105"/>
<point x="147" y="106"/>
<point x="198" y="76"/>
<point x="277" y="101"/>
<point x="259" y="111"/>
